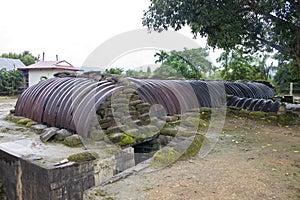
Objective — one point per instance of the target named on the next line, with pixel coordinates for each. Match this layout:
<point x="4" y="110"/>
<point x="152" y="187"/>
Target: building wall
<point x="35" y="75"/>
<point x="24" y="179"/>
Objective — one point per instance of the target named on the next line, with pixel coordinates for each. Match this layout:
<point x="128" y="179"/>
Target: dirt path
<point x="253" y="161"/>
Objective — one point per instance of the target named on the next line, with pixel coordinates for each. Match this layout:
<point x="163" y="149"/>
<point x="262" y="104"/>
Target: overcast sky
<point x="72" y="29"/>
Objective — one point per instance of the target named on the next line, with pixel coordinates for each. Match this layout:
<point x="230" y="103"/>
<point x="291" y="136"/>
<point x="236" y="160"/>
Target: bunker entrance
<point x="145" y="150"/>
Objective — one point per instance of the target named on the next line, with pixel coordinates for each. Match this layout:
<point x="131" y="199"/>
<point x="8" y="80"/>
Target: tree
<point x="189" y="63"/>
<point x="10" y="81"/>
<point x="264" y="68"/>
<point x="166" y="72"/>
<point x="255" y="25"/>
<point x="26" y="57"/>
<point x="286" y="74"/>
<point x="138" y="74"/>
<point x="114" y="71"/>
<point x="240" y="66"/>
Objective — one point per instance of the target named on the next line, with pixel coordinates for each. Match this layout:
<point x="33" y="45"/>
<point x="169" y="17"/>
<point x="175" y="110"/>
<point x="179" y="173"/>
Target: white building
<point x="45" y="69"/>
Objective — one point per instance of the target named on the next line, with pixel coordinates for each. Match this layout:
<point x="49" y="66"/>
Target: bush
<point x="10" y="81"/>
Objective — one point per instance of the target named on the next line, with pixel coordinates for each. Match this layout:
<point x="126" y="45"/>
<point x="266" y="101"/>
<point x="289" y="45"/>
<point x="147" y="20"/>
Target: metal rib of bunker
<point x="213" y="94"/>
<point x="23" y="99"/>
<point x="241" y="102"/>
<point x="258" y="105"/>
<point x="27" y="98"/>
<point x="237" y="89"/>
<point x="44" y="96"/>
<point x="32" y="101"/>
<point x="229" y="89"/>
<point x="252" y="104"/>
<point x="247" y="104"/>
<point x="73" y="99"/>
<point x="89" y="97"/>
<point x="60" y="114"/>
<point x="242" y="89"/>
<point x="275" y="107"/>
<point x="266" y="107"/>
<point x="178" y="96"/>
<point x="54" y="102"/>
<point x="260" y="90"/>
<point x="160" y="94"/>
<point x="141" y="91"/>
<point x="186" y="96"/>
<point x="217" y="93"/>
<point x="157" y="92"/>
<point x="63" y="118"/>
<point x="232" y="90"/>
<point x="145" y="93"/>
<point x="256" y="90"/>
<point x="202" y="93"/>
<point x="175" y="93"/>
<point x="21" y="102"/>
<point x="232" y="101"/>
<point x="83" y="120"/>
<point x="266" y="90"/>
<point x="100" y="99"/>
<point x="247" y="90"/>
<point x="195" y="87"/>
<point x="80" y="112"/>
<point x="144" y="87"/>
<point x="199" y="92"/>
<point x="171" y="98"/>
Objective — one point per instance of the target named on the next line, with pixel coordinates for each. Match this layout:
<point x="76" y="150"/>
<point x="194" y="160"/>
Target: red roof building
<point x="45" y="69"/>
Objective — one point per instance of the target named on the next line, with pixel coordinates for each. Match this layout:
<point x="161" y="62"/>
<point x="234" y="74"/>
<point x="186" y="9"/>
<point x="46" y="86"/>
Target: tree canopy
<point x="114" y="71"/>
<point x="240" y="66"/>
<point x="189" y="63"/>
<point x="26" y="57"/>
<point x="254" y="25"/>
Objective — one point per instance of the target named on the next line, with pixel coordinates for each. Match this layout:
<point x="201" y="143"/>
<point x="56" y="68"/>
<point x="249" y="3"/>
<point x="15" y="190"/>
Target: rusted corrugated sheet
<point x="72" y="103"/>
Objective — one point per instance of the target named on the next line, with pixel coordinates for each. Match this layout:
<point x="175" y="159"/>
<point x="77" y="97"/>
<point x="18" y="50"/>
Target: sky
<point x="73" y="29"/>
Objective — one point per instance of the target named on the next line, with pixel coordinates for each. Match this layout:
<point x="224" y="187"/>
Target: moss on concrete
<point x="127" y="140"/>
<point x="169" y="131"/>
<point x="194" y="148"/>
<point x="8" y="117"/>
<point x="203" y="125"/>
<point x="165" y="156"/>
<point x="73" y="141"/>
<point x="31" y="123"/>
<point x="257" y="115"/>
<point x="281" y="119"/>
<point x="205" y="113"/>
<point x="23" y="121"/>
<point x="82" y="157"/>
<point x="287" y="119"/>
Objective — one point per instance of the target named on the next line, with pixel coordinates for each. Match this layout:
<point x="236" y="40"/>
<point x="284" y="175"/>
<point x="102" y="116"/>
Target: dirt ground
<point x="252" y="160"/>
